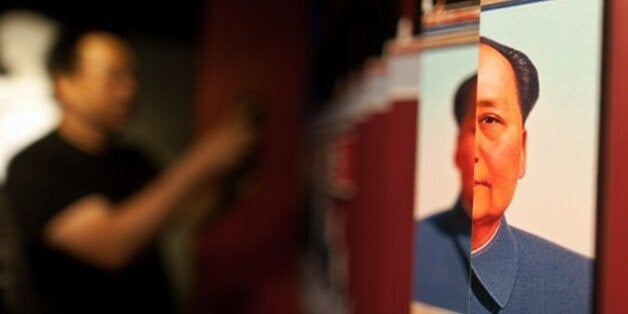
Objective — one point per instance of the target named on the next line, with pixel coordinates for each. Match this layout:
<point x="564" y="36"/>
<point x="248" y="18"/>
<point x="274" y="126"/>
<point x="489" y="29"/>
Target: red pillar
<point x="613" y="287"/>
<point x="400" y="152"/>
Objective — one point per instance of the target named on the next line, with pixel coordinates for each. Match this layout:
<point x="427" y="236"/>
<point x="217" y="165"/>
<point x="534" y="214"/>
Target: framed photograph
<point x="536" y="162"/>
<point x="506" y="199"/>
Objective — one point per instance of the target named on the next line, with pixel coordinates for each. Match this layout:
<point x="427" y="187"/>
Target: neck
<point x="83" y="136"/>
<point x="483" y="232"/>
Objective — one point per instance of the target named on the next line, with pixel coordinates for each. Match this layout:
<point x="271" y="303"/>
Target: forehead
<point x="105" y="50"/>
<point x="496" y="78"/>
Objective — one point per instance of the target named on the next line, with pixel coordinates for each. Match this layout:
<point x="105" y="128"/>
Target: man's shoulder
<point x="445" y="223"/>
<point x="551" y="276"/>
<point x="533" y="245"/>
<point x="433" y="226"/>
<point x="438" y="220"/>
<point x="544" y="259"/>
<point x="436" y="239"/>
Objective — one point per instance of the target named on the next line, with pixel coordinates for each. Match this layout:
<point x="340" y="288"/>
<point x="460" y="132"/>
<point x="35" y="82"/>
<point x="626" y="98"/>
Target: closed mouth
<point x="481" y="183"/>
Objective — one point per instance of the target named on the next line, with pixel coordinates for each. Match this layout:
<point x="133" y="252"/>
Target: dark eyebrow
<point x="485" y="103"/>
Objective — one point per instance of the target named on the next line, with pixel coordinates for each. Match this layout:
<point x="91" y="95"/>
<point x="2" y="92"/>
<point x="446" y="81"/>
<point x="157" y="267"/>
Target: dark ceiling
<point x="343" y="33"/>
<point x="178" y="19"/>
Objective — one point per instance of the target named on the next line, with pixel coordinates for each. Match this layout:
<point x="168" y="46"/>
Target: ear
<point x="458" y="156"/>
<point x="522" y="156"/>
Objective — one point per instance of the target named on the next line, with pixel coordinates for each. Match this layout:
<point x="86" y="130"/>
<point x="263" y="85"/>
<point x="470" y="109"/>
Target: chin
<point x="483" y="215"/>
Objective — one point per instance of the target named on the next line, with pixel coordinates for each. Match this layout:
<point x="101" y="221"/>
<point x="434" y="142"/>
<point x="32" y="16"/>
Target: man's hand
<point x="227" y="144"/>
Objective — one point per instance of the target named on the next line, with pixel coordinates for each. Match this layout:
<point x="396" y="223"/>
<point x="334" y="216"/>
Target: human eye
<point x="490" y="120"/>
<point x="491" y="125"/>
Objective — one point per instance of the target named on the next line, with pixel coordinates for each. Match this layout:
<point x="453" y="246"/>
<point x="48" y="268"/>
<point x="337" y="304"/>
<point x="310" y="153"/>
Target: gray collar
<point x="496" y="265"/>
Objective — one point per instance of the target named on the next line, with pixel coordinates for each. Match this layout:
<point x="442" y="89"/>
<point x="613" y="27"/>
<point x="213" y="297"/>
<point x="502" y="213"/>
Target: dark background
<point x="342" y="33"/>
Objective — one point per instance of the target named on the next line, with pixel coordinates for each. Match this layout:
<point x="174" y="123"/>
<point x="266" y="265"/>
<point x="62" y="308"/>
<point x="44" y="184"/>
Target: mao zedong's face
<point x="500" y="137"/>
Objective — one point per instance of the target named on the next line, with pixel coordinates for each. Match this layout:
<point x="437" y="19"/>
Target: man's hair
<point x="461" y="101"/>
<point x="525" y="75"/>
<point x="64" y="55"/>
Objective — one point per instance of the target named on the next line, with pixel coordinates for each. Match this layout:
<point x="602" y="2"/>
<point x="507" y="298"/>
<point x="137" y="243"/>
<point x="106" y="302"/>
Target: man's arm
<point x="108" y="235"/>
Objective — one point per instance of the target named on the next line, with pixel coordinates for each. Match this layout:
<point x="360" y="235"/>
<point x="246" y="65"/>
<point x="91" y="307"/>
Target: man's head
<point x="94" y="75"/>
<point x="507" y="91"/>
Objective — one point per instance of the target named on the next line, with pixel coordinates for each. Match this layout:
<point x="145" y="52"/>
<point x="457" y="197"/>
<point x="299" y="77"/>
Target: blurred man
<point x="510" y="271"/>
<point x="90" y="210"/>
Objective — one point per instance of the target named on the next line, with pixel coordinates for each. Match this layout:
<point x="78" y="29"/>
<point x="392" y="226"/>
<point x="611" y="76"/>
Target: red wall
<point x="247" y="261"/>
<point x="614" y="228"/>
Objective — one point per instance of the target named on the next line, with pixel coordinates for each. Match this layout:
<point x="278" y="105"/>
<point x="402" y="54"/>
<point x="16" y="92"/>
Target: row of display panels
<point x="507" y="194"/>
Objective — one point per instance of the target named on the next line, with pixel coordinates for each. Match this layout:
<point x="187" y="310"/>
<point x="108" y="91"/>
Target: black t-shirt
<point x="44" y="179"/>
